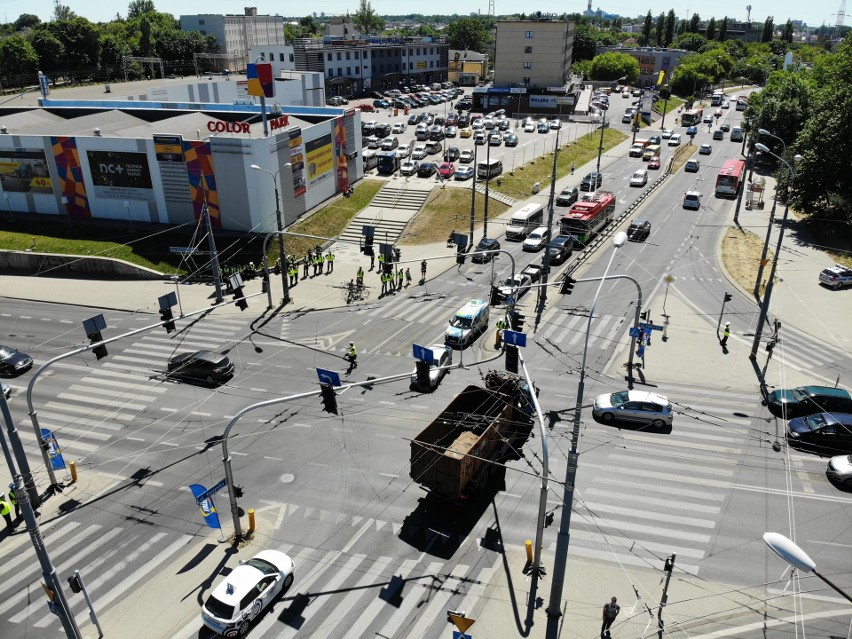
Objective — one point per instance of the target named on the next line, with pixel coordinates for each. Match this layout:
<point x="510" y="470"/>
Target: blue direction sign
<point x="515" y="338"/>
<point x="651" y="327"/>
<point x="328" y="377"/>
<point x="635" y="332"/>
<point x="423" y="354"/>
<point x="460" y="635"/>
<point x="211" y="491"/>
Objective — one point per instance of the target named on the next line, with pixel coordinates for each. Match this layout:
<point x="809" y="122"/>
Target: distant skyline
<point x="813" y="14"/>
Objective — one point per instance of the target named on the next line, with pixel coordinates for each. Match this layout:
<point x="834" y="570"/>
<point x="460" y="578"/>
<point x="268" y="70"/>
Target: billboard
<point x="120" y="175"/>
<point x="340" y="145"/>
<point x="168" y="148"/>
<point x="297" y="161"/>
<point x="260" y="81"/>
<point x="543" y="101"/>
<point x="24" y="171"/>
<point x="320" y="158"/>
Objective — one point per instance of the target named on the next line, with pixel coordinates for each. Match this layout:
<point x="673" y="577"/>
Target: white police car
<point x="836" y="276"/>
<point x="246" y="592"/>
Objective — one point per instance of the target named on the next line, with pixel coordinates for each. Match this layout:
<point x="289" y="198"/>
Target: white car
<point x="633" y="406"/>
<point x="419" y="152"/>
<point x="450" y="132"/>
<point x="408" y="168"/>
<point x="465" y="172"/>
<point x="840" y="469"/>
<point x="726" y="104"/>
<point x="529" y="127"/>
<point x="536" y="240"/>
<point x="402" y="152"/>
<point x="674" y="139"/>
<point x="639" y="178"/>
<point x="477" y="125"/>
<point x="442" y="357"/>
<point x="555" y="123"/>
<point x="373" y="142"/>
<point x="246" y="591"/>
<point x="692" y="200"/>
<point x="667" y="134"/>
<point x="398" y="127"/>
<point x="466" y="156"/>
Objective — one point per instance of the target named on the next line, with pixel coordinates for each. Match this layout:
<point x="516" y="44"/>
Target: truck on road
<point x="454" y="455"/>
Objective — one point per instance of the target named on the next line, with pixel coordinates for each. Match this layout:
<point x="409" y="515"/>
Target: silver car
<point x="633" y="406"/>
<point x="442" y="357"/>
<point x="840" y="469"/>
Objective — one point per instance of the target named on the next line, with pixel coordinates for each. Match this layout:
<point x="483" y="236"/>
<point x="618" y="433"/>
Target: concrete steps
<point x="391" y="210"/>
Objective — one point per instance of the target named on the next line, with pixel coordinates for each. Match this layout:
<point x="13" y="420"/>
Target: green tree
<point x="710" y="33"/>
<point x="50" y="51"/>
<point x="26" y="21"/>
<point x="723" y="30"/>
<point x="138" y="8"/>
<point x="668" y="37"/>
<point x="310" y="26"/>
<point x="660" y="29"/>
<point x="694" y="23"/>
<point x="80" y="40"/>
<point x="646" y="29"/>
<point x="691" y="42"/>
<point x="62" y="13"/>
<point x="469" y="34"/>
<point x="611" y="66"/>
<point x="17" y="56"/>
<point x="787" y="33"/>
<point x="768" y="29"/>
<point x="366" y="20"/>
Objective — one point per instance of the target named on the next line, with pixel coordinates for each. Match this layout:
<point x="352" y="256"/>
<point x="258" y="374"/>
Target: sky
<point x="814" y="13"/>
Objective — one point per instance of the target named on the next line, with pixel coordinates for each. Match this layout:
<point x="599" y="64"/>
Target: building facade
<point x="355" y="67"/>
<point x="236" y="34"/>
<point x="467" y="68"/>
<point x="535" y="54"/>
<point x="651" y="62"/>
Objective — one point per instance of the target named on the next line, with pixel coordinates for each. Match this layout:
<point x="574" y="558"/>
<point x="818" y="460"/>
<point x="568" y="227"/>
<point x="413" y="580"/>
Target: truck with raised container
<point x="455" y="454"/>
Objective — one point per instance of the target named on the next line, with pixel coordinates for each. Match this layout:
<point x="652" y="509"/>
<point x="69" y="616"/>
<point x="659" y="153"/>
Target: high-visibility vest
<point x="13" y="498"/>
<point x="5" y="508"/>
<point x="360" y="272"/>
<point x="329" y="257"/>
<point x="352" y="351"/>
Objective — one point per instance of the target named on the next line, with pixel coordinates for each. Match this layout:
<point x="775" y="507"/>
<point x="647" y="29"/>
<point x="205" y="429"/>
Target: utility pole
<point x="669" y="566"/>
<point x="601" y="146"/>
<point x="487" y="181"/>
<point x="545" y="259"/>
<point x="211" y="243"/>
<point x="473" y="196"/>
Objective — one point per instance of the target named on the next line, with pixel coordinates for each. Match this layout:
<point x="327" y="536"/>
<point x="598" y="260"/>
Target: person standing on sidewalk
<point x="399" y="276"/>
<point x="381" y="261"/>
<point x="372" y="259"/>
<point x="359" y="277"/>
<point x="423" y="272"/>
<point x="293" y="272"/>
<point x="308" y="260"/>
<point x="384" y="282"/>
<point x="726" y="334"/>
<point x="329" y="257"/>
<point x="5" y="509"/>
<point x="13" y="499"/>
<point x="610" y="612"/>
<point x="407" y="277"/>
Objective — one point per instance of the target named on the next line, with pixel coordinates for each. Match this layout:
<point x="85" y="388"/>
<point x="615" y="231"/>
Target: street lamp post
<point x="796" y="557"/>
<point x="285" y="282"/>
<point x="771" y="219"/>
<point x="601" y="146"/>
<point x="564" y="536"/>
<point x="764" y="307"/>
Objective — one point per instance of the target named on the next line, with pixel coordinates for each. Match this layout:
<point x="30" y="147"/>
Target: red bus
<point x="588" y="216"/>
<point x="730" y="178"/>
<point x="692" y="118"/>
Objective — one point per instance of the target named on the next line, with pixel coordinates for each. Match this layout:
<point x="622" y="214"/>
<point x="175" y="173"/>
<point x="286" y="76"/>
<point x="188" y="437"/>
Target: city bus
<point x="692" y="118"/>
<point x="730" y="178"/>
<point x="587" y="217"/>
<point x="387" y="163"/>
<point x="717" y="98"/>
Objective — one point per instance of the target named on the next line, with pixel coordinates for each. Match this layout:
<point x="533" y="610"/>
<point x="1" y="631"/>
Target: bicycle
<point x="353" y="292"/>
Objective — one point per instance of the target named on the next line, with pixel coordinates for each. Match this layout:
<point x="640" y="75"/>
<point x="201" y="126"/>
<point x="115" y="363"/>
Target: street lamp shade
<point x="797" y="158"/>
<point x="619" y="239"/>
<point x="762" y="148"/>
<point x="789" y="551"/>
<point x="763" y="132"/>
<point x="255" y="167"/>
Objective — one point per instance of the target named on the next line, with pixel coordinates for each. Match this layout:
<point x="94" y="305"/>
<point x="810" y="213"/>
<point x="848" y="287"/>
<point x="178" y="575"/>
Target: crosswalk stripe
<point x="623" y="543"/>
<point x="673" y="465"/>
<point x="185" y="344"/>
<point x="141" y="373"/>
<point x="359" y="628"/>
<point x="61" y="418"/>
<point x="414" y="311"/>
<point x="77" y="445"/>
<point x="119" y="384"/>
<point x="670" y="477"/>
<point x="151" y="350"/>
<point x="148" y="361"/>
<point x="439" y="599"/>
<point x="480" y="583"/>
<point x="111" y="393"/>
<point x="655" y="501"/>
<point x="646" y="513"/>
<point x="661" y="487"/>
<point x="630" y="560"/>
<point x="85" y="399"/>
<point x="415" y="596"/>
<point x="88" y="410"/>
<point x="673" y="443"/>
<point x="11" y="560"/>
<point x="356" y="593"/>
<point x="654" y="531"/>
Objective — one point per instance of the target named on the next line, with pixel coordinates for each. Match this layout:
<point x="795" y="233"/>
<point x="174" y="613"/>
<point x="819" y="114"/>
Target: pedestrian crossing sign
<point x="462" y="623"/>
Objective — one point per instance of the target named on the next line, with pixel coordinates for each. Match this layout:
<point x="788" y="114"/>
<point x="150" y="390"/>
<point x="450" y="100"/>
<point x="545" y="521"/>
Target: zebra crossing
<point x="119" y="392"/>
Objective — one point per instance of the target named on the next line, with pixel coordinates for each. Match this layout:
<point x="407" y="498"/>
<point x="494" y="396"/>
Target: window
<point x="403" y="66"/>
<point x="528" y="65"/>
<point x="529" y="34"/>
<point x="348" y="70"/>
<point x="411" y="52"/>
<point x="330" y="72"/>
<point x="418" y="50"/>
<point x="357" y="70"/>
<point x="356" y="55"/>
<point x="348" y="55"/>
<point x="329" y="57"/>
<point x="381" y="68"/>
<point x="525" y="81"/>
<point x="431" y="63"/>
<point x="527" y="49"/>
<point x="338" y="55"/>
<point x="201" y="22"/>
<point x="340" y="71"/>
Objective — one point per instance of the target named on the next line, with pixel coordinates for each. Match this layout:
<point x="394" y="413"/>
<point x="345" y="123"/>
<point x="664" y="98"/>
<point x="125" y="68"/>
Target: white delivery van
<point x="526" y="219"/>
<point x="468" y="322"/>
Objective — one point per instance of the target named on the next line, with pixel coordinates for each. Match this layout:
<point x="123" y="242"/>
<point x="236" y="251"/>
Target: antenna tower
<point x="748" y="14"/>
<point x="491" y="10"/>
<point x="841" y="14"/>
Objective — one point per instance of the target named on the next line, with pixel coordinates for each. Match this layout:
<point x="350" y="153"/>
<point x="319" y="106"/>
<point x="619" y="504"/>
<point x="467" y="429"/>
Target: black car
<point x="426" y="169"/>
<point x="560" y="248"/>
<point x="825" y="433"/>
<point x="436" y="133"/>
<point x="464" y="120"/>
<point x="807" y="400"/>
<point x="485" y="244"/>
<point x="639" y="230"/>
<point x="511" y="140"/>
<point x="591" y="182"/>
<point x="567" y="197"/>
<point x="203" y="366"/>
<point x="14" y="362"/>
<point x="452" y="154"/>
<point x="413" y="119"/>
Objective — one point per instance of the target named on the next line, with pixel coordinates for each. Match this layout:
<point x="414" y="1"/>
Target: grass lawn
<point x="741" y="252"/>
<point x="447" y="210"/>
<point x="518" y="184"/>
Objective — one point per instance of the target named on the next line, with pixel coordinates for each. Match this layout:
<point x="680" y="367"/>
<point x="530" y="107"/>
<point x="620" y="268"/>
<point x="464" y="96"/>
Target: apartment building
<point x="533" y="53"/>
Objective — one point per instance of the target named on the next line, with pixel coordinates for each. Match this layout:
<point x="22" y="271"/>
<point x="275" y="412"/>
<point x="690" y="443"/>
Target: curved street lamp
<point x="795" y="556"/>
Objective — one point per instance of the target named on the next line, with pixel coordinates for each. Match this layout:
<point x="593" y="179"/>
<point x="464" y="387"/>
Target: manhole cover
<point x="288" y="478"/>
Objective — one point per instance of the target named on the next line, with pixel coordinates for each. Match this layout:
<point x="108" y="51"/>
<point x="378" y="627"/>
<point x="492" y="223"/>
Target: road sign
<point x="462" y="623"/>
<point x="635" y="332"/>
<point x="515" y="338"/>
<point x="183" y="250"/>
<point x="328" y="377"/>
<point x="211" y="491"/>
<point x="669" y="279"/>
<point x="423" y="354"/>
<point x="650" y="327"/>
<point x="461" y="635"/>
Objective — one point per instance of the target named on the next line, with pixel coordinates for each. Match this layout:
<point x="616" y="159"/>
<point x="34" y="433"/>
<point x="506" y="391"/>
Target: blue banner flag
<point x="208" y="508"/>
<point x="53" y="450"/>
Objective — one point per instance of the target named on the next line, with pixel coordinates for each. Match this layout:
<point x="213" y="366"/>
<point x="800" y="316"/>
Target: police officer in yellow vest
<point x="498" y="338"/>
<point x="5" y="510"/>
<point x="329" y="257"/>
<point x="384" y="278"/>
<point x="352" y="355"/>
<point x="13" y="499"/>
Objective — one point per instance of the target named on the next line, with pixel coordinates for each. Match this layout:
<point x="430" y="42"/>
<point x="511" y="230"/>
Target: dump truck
<point x="454" y="455"/>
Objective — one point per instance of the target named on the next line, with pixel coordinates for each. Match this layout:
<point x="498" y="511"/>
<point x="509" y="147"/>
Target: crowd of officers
<point x="315" y="262"/>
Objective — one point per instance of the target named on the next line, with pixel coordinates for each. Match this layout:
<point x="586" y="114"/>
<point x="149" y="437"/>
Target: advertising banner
<point x="208" y="508"/>
<point x="260" y="82"/>
<point x="297" y="161"/>
<point x="120" y="175"/>
<point x="202" y="180"/>
<point x="340" y="154"/>
<point x="24" y="170"/>
<point x="70" y="174"/>
<point x="168" y="148"/>
<point x="320" y="158"/>
<point x="543" y="101"/>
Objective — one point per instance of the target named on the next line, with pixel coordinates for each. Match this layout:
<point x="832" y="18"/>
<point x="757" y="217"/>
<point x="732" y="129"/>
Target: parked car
<point x="436" y="133"/>
<point x="466" y="156"/>
<point x="692" y="166"/>
<point x="447" y="170"/>
<point x="639" y="178"/>
<point x="419" y="152"/>
<point x="336" y="101"/>
<point x="426" y="169"/>
<point x="451" y="132"/>
<point x="408" y="168"/>
<point x="389" y="144"/>
<point x="205" y="366"/>
<point x="654" y="162"/>
<point x="366" y="108"/>
<point x="479" y="137"/>
<point x="242" y="595"/>
<point x="839" y="469"/>
<point x="692" y="200"/>
<point x="495" y="139"/>
<point x="639" y="230"/>
<point x="633" y="406"/>
<point x="567" y="197"/>
<point x="825" y="433"/>
<point x="674" y="139"/>
<point x="465" y="172"/>
<point x="560" y="248"/>
<point x="705" y="149"/>
<point x="13" y="361"/>
<point x="442" y="357"/>
<point x="836" y="277"/>
<point x="398" y="127"/>
<point x="451" y="154"/>
<point x="465" y="132"/>
<point x="433" y="147"/>
<point x="485" y="244"/>
<point x="807" y="400"/>
<point x="536" y="239"/>
<point x="591" y="181"/>
<point x="510" y="140"/>
<point x="372" y="142"/>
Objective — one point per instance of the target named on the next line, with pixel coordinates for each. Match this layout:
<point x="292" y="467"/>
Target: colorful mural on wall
<point x="202" y="180"/>
<point x="340" y="154"/>
<point x="71" y="183"/>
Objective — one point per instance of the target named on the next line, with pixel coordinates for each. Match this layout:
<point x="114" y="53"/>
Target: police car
<point x="467" y="323"/>
<point x="836" y="276"/>
<point x="246" y="592"/>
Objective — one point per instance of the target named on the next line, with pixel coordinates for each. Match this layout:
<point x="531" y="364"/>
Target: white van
<point x="526" y="219"/>
<point x="468" y="322"/>
<point x="488" y="170"/>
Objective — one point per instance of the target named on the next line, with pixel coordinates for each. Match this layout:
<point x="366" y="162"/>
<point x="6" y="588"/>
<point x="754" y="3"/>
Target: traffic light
<point x="397" y="255"/>
<point x="728" y="297"/>
<point x="643" y="316"/>
<point x="669" y="565"/>
<point x="74" y="583"/>
<point x="518" y="321"/>
<point x="240" y="298"/>
<point x="95" y="337"/>
<point x="567" y="285"/>
<point x="238" y="491"/>
<point x="329" y="398"/>
<point x="166" y="317"/>
<point x="511" y="358"/>
<point x="423" y="374"/>
<point x="264" y="284"/>
<point x="460" y="255"/>
<point x="495" y="296"/>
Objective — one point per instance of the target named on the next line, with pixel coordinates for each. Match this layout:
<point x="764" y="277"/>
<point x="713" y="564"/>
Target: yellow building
<point x="467" y="68"/>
